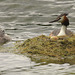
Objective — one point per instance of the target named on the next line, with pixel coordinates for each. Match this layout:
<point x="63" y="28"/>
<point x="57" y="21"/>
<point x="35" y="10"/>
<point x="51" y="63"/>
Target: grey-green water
<point x="23" y="19"/>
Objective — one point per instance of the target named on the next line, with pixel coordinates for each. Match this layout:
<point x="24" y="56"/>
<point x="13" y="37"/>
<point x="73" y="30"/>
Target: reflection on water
<point x="23" y="19"/>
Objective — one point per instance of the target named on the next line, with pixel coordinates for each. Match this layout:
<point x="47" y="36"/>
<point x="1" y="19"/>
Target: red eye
<point x="59" y="18"/>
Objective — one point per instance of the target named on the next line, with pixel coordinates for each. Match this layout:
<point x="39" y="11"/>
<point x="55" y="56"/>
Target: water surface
<point x="23" y="19"/>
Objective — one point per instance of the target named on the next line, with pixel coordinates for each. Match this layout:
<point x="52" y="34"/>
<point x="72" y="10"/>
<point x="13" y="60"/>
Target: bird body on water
<point x="3" y="37"/>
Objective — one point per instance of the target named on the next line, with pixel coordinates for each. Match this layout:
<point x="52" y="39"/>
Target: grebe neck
<point x="62" y="31"/>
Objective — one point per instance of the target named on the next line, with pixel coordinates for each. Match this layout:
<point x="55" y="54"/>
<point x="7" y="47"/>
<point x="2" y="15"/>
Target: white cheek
<point x="62" y="18"/>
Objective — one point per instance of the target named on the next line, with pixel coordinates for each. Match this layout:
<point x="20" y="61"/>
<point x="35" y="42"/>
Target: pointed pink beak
<point x="53" y="21"/>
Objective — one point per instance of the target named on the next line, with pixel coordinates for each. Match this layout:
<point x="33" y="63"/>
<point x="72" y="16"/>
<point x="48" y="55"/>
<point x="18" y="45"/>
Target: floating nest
<point x="45" y="49"/>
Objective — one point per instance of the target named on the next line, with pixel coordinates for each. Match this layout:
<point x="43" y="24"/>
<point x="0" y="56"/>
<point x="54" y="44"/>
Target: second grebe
<point x="63" y="31"/>
<point x="3" y="37"/>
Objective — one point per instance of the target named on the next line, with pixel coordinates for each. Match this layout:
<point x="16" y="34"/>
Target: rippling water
<point x="23" y="19"/>
<point x="11" y="64"/>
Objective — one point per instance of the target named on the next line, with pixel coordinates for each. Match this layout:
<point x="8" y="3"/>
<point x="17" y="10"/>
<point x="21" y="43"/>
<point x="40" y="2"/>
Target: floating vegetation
<point x="43" y="48"/>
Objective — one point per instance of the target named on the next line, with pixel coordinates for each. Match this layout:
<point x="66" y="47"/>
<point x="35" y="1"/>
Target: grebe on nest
<point x="63" y="31"/>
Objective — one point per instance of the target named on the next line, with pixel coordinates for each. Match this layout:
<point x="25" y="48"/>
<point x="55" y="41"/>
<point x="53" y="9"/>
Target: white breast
<point x="62" y="31"/>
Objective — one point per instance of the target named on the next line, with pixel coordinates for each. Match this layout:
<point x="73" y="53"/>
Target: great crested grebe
<point x="63" y="31"/>
<point x="3" y="37"/>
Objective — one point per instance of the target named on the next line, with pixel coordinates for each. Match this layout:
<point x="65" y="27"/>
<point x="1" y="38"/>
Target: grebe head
<point x="62" y="18"/>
